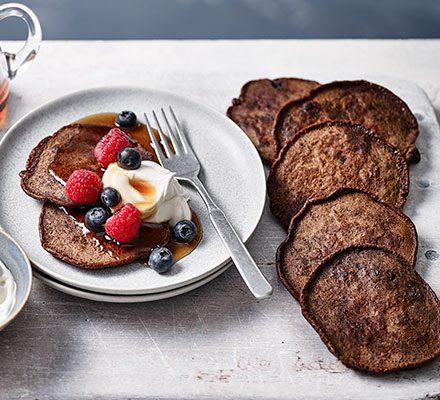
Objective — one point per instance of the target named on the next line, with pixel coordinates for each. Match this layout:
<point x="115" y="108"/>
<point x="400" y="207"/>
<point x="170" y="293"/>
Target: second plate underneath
<point x="109" y="298"/>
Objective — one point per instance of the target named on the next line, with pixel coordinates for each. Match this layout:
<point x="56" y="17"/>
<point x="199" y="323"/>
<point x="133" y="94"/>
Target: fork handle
<point x="248" y="269"/>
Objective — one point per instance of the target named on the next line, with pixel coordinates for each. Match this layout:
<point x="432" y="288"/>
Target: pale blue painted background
<point x="241" y="19"/>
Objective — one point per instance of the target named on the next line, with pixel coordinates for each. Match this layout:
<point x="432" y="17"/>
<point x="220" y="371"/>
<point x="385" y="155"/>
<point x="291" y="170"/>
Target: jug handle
<point x="29" y="50"/>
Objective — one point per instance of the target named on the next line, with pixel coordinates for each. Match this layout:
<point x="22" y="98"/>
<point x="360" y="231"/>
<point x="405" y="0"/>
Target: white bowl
<point x="15" y="259"/>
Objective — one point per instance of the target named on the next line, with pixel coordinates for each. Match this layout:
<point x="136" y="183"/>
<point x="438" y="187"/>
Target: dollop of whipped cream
<point x="7" y="292"/>
<point x="152" y="189"/>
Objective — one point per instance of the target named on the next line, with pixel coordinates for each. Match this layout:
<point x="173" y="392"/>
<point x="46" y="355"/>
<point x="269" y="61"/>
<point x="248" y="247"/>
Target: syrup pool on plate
<point x="181" y="250"/>
<point x="148" y="234"/>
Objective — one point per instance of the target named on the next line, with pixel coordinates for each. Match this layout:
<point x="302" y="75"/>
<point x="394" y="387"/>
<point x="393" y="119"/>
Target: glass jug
<point x="12" y="64"/>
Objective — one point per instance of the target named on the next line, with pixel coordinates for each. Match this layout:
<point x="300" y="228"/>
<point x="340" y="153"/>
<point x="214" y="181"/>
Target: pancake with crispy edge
<point x="257" y="106"/>
<point x="360" y="102"/>
<point x="373" y="311"/>
<point x="347" y="217"/>
<point x="68" y="149"/>
<point x="64" y="235"/>
<point x="329" y="156"/>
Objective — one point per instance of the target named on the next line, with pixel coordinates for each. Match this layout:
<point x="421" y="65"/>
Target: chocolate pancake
<point x="359" y="102"/>
<point x="259" y="102"/>
<point x="64" y="235"/>
<point x="347" y="217"/>
<point x="53" y="160"/>
<point x="373" y="311"/>
<point x="333" y="155"/>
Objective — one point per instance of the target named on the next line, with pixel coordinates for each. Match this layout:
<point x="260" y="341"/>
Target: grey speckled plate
<point x="232" y="172"/>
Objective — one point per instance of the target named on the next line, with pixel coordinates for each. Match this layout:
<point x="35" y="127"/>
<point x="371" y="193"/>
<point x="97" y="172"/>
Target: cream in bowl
<point x="8" y="289"/>
<point x="15" y="279"/>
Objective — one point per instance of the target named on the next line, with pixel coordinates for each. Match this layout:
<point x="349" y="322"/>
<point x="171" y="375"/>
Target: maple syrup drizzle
<point x="143" y="187"/>
<point x="150" y="235"/>
<point x="181" y="250"/>
<point x="138" y="133"/>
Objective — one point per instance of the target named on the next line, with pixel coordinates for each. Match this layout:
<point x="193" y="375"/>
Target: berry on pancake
<point x="108" y="148"/>
<point x="83" y="187"/>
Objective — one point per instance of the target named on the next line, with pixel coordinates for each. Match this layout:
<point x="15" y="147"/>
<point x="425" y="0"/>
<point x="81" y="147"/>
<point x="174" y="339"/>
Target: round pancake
<point x="70" y="148"/>
<point x="333" y="155"/>
<point x="64" y="235"/>
<point x="257" y="106"/>
<point x="346" y="218"/>
<point x="373" y="311"/>
<point x="359" y="102"/>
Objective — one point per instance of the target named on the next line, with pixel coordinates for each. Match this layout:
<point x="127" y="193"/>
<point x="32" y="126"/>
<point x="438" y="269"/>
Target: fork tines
<point x="178" y="140"/>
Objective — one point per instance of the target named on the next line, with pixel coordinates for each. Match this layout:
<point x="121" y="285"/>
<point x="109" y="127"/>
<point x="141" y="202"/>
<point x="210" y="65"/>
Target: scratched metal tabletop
<point x="217" y="341"/>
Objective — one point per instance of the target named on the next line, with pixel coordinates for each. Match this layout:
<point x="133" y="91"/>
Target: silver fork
<point x="181" y="159"/>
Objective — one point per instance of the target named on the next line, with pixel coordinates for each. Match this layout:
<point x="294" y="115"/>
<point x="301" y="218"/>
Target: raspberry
<point x="124" y="225"/>
<point x="108" y="148"/>
<point x="83" y="187"/>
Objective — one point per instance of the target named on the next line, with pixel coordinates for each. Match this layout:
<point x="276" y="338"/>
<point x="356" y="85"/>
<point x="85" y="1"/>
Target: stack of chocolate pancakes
<point x="61" y="225"/>
<point x="339" y="156"/>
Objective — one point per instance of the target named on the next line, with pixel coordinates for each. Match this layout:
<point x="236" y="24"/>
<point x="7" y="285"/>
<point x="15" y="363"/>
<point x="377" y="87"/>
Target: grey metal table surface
<point x="217" y="341"/>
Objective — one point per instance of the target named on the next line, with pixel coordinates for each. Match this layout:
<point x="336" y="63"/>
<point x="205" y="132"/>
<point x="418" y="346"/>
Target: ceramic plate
<point x="110" y="298"/>
<point x="231" y="170"/>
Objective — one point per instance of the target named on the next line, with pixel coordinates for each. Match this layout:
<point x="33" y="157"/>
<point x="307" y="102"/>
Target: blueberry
<point x="110" y="197"/>
<point x="184" y="231"/>
<point x="129" y="158"/>
<point x="126" y="119"/>
<point x="416" y="157"/>
<point x="96" y="218"/>
<point x="161" y="259"/>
